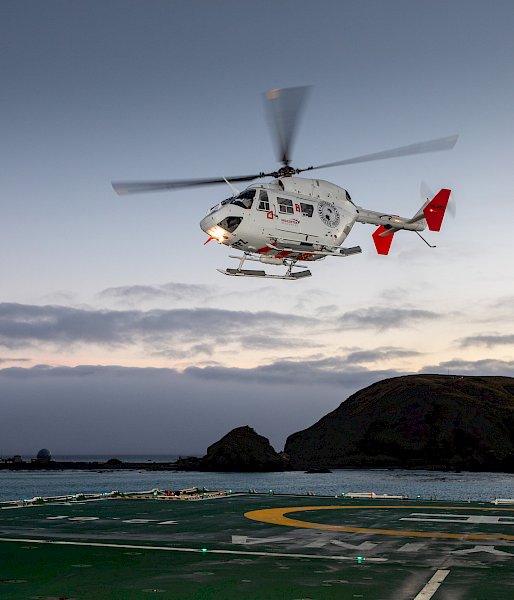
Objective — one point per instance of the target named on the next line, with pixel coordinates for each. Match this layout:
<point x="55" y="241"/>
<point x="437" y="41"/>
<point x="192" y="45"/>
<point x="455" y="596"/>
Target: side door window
<point x="307" y="209"/>
<point x="285" y="206"/>
<point x="263" y="201"/>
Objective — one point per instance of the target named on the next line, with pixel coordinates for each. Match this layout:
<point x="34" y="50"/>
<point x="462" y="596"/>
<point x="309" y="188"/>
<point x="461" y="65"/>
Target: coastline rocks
<point x="416" y="421"/>
<point x="242" y="449"/>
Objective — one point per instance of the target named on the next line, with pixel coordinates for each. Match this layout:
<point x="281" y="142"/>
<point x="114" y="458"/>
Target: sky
<point x="118" y="335"/>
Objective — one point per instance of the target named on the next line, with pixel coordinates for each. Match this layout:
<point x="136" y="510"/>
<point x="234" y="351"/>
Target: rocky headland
<point x="416" y="421"/>
<point x="438" y="422"/>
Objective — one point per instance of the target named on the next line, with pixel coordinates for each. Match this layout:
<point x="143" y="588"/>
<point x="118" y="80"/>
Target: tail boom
<point x="431" y="214"/>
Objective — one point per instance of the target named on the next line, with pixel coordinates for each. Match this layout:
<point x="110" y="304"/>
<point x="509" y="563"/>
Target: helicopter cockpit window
<point x="307" y="209"/>
<point x="285" y="206"/>
<point x="230" y="224"/>
<point x="244" y="199"/>
<point x="263" y="200"/>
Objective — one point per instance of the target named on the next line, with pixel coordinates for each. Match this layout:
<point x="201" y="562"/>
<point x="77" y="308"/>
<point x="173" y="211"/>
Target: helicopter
<point x="292" y="220"/>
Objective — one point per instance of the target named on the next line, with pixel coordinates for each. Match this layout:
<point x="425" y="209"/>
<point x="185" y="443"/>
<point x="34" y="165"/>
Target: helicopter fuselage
<point x="293" y="219"/>
<point x="308" y="214"/>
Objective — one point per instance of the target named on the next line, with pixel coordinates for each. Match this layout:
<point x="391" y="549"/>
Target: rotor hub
<point x="285" y="171"/>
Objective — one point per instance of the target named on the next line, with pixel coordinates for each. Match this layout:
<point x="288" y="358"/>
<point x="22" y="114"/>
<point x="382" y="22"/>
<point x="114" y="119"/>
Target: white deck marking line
<point x="197" y="550"/>
<point x="432" y="586"/>
<point x="57" y="503"/>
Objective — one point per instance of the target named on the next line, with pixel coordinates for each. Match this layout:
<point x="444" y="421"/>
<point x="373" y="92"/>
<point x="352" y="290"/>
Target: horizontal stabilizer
<point x="383" y="239"/>
<point x="435" y="209"/>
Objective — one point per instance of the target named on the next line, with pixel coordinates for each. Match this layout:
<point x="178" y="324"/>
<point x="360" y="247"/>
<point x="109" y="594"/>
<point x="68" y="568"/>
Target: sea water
<point x="16" y="485"/>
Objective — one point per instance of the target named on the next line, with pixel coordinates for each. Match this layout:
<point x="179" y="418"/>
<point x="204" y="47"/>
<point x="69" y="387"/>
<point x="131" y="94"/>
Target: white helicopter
<point x="293" y="219"/>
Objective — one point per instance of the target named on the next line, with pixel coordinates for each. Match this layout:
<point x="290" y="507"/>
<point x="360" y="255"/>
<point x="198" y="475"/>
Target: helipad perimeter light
<point x="204" y="550"/>
<point x="360" y="559"/>
<point x="271" y="491"/>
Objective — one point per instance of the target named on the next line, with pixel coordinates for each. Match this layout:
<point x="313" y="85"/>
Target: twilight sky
<point x="117" y="334"/>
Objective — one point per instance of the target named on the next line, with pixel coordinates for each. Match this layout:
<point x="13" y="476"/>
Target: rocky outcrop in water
<point x="242" y="449"/>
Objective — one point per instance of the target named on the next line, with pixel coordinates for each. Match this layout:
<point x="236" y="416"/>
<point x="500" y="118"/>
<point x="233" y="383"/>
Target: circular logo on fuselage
<point x="328" y="213"/>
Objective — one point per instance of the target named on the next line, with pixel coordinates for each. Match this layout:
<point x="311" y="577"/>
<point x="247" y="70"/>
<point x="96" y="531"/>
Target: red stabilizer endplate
<point x="434" y="210"/>
<point x="382" y="244"/>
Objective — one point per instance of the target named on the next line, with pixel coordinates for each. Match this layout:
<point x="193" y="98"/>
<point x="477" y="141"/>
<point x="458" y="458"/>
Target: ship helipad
<point x="255" y="546"/>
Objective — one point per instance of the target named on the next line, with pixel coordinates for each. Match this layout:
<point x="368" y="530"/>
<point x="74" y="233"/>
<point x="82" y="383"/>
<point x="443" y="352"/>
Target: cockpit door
<point x="266" y="209"/>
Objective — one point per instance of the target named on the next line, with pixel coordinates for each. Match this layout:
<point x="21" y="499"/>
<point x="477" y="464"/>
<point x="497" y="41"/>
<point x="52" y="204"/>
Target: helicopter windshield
<point x="244" y="199"/>
<point x="220" y="204"/>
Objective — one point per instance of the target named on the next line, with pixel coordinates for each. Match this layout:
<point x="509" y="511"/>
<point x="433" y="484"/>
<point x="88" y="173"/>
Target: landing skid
<point x="289" y="274"/>
<point x="256" y="273"/>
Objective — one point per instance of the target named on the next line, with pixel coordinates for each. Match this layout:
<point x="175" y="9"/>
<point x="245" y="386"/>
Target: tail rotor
<point x="427" y="194"/>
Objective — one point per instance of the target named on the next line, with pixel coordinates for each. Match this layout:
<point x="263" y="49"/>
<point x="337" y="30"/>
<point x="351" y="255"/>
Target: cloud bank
<point x="97" y="409"/>
<point x="108" y="409"/>
<point x="174" y="331"/>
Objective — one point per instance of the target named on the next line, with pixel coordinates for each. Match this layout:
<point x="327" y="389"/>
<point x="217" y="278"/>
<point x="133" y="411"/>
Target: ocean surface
<point x="438" y="485"/>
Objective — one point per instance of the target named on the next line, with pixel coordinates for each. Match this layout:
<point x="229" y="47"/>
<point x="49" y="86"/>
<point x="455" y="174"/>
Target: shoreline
<point x="180" y="466"/>
<point x="88" y="466"/>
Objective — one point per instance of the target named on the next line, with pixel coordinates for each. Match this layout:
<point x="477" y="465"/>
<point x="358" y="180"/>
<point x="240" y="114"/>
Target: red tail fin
<point x="383" y="239"/>
<point x="434" y="210"/>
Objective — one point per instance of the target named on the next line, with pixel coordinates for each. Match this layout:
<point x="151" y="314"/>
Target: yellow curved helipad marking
<point x="276" y="516"/>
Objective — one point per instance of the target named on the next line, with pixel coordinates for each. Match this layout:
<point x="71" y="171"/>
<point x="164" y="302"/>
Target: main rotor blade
<point x="446" y="143"/>
<point x="135" y="187"/>
<point x="284" y="107"/>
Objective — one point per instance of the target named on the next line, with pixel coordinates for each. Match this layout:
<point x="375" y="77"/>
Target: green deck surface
<point x="130" y="549"/>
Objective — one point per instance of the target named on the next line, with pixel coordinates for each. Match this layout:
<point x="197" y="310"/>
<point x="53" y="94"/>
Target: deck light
<point x="204" y="550"/>
<point x="360" y="560"/>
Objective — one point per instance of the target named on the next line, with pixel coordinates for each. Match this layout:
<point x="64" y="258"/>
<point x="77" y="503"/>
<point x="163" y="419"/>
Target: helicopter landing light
<point x="216" y="233"/>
